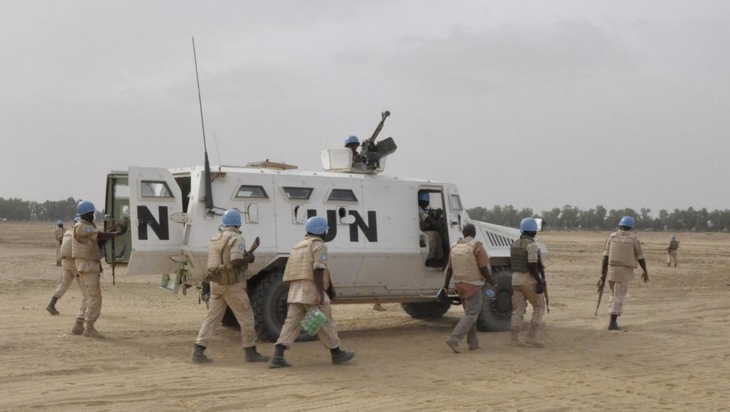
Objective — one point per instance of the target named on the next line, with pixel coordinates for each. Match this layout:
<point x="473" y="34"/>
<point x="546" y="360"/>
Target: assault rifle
<point x="205" y="289"/>
<point x="541" y="269"/>
<point x="601" y="285"/>
<point x="370" y="152"/>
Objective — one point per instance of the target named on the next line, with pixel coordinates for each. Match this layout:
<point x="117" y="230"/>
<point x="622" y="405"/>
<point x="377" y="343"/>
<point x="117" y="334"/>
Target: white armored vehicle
<point x="377" y="250"/>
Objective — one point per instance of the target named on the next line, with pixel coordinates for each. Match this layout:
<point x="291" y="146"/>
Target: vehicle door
<point x="156" y="216"/>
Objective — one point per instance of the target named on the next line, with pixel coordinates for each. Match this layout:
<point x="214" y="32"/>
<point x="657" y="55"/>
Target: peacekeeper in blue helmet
<point x="353" y="143"/>
<point x="430" y="225"/>
<point x="621" y="255"/>
<point x="86" y="243"/>
<point x="227" y="264"/>
<point x="308" y="278"/>
<point x="527" y="284"/>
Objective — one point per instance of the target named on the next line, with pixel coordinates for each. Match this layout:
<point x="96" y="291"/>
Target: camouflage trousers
<point x="618" y="296"/>
<point x="236" y="298"/>
<point x="521" y="295"/>
<point x="292" y="325"/>
<point x="90" y="283"/>
<point x="671" y="257"/>
<point x="68" y="278"/>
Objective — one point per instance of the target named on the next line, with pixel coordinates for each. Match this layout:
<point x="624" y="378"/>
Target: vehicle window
<point x="342" y="195"/>
<point x="298" y="193"/>
<point x="251" y="192"/>
<point x="151" y="188"/>
<point x="456" y="203"/>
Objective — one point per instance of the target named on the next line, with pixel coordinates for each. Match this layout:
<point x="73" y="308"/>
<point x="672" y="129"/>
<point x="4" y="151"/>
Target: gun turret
<point x="371" y="152"/>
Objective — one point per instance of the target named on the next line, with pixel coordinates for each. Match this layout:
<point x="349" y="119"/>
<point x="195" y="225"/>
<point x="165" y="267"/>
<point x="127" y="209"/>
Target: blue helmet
<point x="424" y="197"/>
<point x="351" y="140"/>
<point x="60" y="223"/>
<point x="672" y="237"/>
<point x="627" y="221"/>
<point x="528" y="224"/>
<point x="231" y="218"/>
<point x="85" y="207"/>
<point x="316" y="225"/>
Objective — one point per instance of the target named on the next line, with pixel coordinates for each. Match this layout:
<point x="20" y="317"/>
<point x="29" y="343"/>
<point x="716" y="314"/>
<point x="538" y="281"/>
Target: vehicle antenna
<point x="208" y="186"/>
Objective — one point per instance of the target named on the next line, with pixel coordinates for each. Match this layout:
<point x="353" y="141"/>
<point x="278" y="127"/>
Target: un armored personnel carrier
<point x="377" y="250"/>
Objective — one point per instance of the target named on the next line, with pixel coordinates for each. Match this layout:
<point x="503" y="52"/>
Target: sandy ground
<point x="672" y="355"/>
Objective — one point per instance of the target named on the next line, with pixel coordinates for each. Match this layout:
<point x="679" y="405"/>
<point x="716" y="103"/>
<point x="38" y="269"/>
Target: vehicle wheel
<point x="269" y="307"/>
<point x="426" y="310"/>
<point x="496" y="313"/>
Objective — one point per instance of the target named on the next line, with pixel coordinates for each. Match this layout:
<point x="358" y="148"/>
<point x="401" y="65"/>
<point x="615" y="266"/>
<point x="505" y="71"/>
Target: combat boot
<point x="453" y="345"/>
<point x="340" y="356"/>
<point x="613" y="325"/>
<point x="91" y="332"/>
<point x="278" y="361"/>
<point x="78" y="328"/>
<point x="52" y="306"/>
<point x="253" y="356"/>
<point x="517" y="337"/>
<point x="199" y="355"/>
<point x="532" y="337"/>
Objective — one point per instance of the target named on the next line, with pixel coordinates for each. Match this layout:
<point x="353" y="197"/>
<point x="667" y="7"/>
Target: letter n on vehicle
<point x="159" y="226"/>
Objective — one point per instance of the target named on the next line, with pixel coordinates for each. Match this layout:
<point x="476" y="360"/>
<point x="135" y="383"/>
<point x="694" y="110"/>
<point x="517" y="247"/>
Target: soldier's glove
<point x="540" y="287"/>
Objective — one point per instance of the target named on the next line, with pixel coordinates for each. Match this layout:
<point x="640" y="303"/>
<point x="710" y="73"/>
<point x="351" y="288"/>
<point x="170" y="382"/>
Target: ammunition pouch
<point x="225" y="275"/>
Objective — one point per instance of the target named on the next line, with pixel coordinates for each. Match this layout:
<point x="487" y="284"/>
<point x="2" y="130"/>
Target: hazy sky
<point x="530" y="103"/>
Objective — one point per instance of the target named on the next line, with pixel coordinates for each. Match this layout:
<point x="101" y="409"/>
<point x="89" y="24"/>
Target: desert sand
<point x="673" y="353"/>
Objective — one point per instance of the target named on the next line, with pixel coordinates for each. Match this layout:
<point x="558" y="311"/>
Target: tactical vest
<point x="621" y="250"/>
<point x="673" y="244"/>
<point x="66" y="244"/>
<point x="518" y="254"/>
<point x="300" y="265"/>
<point x="219" y="258"/>
<point x="82" y="246"/>
<point x="463" y="261"/>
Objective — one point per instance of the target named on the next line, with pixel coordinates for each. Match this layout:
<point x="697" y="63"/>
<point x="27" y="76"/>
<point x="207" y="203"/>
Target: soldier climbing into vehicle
<point x="430" y="224"/>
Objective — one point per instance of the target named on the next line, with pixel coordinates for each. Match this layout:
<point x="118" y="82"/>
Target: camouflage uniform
<point x="435" y="248"/>
<point x="87" y="256"/>
<point x="58" y="235"/>
<point x="623" y="250"/>
<point x="523" y="291"/>
<point x="672" y="248"/>
<point x="309" y="254"/>
<point x="228" y="288"/>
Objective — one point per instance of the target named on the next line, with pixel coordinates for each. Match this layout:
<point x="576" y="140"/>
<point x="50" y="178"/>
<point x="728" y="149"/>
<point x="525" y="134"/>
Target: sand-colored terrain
<point x="673" y="354"/>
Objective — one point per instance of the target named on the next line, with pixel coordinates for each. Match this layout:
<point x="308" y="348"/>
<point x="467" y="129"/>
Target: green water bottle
<point x="313" y="320"/>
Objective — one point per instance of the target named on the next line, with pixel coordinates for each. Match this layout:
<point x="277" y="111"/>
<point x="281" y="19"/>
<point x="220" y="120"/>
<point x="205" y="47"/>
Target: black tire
<point x="270" y="307"/>
<point x="426" y="310"/>
<point x="496" y="314"/>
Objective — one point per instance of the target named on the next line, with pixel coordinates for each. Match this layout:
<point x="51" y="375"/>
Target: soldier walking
<point x="621" y="255"/>
<point x="527" y="286"/>
<point x="672" y="248"/>
<point x="308" y="278"/>
<point x="227" y="263"/>
<point x="69" y="271"/>
<point x="58" y="235"/>
<point x="86" y="250"/>
<point x="469" y="266"/>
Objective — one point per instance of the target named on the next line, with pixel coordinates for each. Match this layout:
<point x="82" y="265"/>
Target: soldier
<point x="86" y="250"/>
<point x="469" y="265"/>
<point x="58" y="234"/>
<point x="672" y="251"/>
<point x="352" y="143"/>
<point x="430" y="226"/>
<point x="621" y="255"/>
<point x="69" y="271"/>
<point x="527" y="285"/>
<point x="308" y="278"/>
<point x="227" y="264"/>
